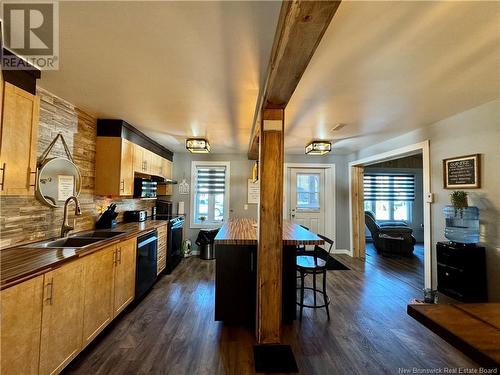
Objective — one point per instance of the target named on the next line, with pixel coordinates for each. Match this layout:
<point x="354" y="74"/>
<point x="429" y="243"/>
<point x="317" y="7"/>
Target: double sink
<point x="77" y="241"/>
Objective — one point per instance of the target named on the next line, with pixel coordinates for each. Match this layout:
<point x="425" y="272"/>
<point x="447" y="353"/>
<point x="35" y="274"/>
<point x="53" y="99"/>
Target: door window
<point x="308" y="191"/>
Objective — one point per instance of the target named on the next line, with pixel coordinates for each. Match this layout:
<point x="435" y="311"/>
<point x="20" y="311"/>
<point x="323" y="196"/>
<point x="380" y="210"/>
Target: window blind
<point x="210" y="180"/>
<point x="389" y="187"/>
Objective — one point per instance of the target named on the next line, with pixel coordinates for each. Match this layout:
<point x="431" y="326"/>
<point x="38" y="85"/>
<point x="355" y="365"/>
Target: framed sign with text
<point x="463" y="172"/>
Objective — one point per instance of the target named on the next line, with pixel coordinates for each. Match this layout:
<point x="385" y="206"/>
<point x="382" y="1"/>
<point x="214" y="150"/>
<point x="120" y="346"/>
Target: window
<point x="308" y="191"/>
<point x="209" y="193"/>
<point x="389" y="196"/>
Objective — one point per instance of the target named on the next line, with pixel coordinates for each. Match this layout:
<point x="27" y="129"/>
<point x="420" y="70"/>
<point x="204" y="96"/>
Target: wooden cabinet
<point x="162" y="249"/>
<point x="62" y="317"/>
<point x="124" y="276"/>
<point x="142" y="160"/>
<point x="21" y="314"/>
<point x="99" y="271"/>
<point x="166" y="168"/>
<point x="18" y="146"/>
<point x="46" y="321"/>
<point x="114" y="166"/>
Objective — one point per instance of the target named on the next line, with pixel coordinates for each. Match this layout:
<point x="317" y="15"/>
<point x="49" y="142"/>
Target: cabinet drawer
<point x="451" y="257"/>
<point x="451" y="281"/>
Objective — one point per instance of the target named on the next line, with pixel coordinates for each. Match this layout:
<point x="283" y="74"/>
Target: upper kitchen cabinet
<point x="114" y="166"/>
<point x="18" y="146"/>
<point x="121" y="152"/>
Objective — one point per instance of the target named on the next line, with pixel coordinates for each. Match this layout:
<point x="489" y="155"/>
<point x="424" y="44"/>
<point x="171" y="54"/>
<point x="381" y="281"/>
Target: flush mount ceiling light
<point x="198" y="145"/>
<point x="318" y="148"/>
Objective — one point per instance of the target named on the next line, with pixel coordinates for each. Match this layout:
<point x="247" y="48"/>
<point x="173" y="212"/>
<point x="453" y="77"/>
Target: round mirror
<point x="58" y="179"/>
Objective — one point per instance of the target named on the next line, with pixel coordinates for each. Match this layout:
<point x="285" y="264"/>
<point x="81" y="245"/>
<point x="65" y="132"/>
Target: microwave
<point x="144" y="188"/>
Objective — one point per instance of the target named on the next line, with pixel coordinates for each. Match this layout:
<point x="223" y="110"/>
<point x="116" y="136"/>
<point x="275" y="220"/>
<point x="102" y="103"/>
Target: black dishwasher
<point x="145" y="277"/>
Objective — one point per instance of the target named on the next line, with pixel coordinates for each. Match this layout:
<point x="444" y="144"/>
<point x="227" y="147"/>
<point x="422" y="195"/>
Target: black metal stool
<point x="311" y="264"/>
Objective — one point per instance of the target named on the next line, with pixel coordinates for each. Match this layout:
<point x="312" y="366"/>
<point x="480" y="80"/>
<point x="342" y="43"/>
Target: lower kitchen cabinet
<point x="21" y="316"/>
<point x="235" y="283"/>
<point x="124" y="288"/>
<point x="46" y="321"/>
<point x="62" y="317"/>
<point x="99" y="271"/>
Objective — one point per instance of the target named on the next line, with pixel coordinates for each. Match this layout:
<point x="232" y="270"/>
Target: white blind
<point x="389" y="187"/>
<point x="210" y="180"/>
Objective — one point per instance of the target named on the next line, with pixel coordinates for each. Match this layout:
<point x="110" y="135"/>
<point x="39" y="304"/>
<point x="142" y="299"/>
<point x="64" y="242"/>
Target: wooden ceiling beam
<point x="301" y="26"/>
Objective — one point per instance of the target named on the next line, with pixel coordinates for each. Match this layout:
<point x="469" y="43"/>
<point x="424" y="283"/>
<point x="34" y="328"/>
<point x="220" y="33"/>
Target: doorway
<point x="309" y="196"/>
<point x="357" y="201"/>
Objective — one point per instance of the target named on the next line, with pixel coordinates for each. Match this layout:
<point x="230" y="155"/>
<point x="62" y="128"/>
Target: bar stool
<point x="312" y="264"/>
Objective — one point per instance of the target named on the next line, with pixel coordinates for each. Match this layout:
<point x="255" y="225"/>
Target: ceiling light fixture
<point x="198" y="145"/>
<point x="318" y="148"/>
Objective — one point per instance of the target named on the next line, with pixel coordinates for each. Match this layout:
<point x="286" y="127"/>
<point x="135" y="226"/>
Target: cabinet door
<point x="147" y="157"/>
<point x="166" y="168"/>
<point x="138" y="159"/>
<point x="62" y="317"/>
<point x="235" y="283"/>
<point x="21" y="313"/>
<point x="98" y="292"/>
<point x="124" y="290"/>
<point x="127" y="168"/>
<point x="18" y="148"/>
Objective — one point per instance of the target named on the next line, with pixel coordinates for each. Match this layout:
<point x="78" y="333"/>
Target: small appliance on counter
<point x="163" y="210"/>
<point x="144" y="188"/>
<point x="135" y="216"/>
<point x="107" y="219"/>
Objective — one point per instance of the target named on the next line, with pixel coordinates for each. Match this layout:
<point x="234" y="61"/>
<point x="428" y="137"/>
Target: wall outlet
<point x="245" y="207"/>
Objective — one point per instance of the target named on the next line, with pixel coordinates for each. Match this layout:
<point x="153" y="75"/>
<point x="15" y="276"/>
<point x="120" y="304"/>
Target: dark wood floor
<point x="172" y="330"/>
<point x="409" y="270"/>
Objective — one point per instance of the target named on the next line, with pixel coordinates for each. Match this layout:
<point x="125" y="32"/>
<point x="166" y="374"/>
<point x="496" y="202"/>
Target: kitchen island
<point x="236" y="269"/>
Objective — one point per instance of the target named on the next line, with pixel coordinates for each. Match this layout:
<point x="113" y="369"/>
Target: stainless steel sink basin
<point x="99" y="234"/>
<point x="78" y="241"/>
<point x="68" y="242"/>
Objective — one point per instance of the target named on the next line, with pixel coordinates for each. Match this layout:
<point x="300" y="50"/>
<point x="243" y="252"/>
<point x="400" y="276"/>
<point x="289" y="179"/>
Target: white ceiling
<point x="172" y="69"/>
<point x="179" y="69"/>
<point x="385" y="68"/>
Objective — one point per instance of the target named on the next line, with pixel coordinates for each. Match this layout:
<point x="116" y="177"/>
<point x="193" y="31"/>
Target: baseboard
<point x="341" y="251"/>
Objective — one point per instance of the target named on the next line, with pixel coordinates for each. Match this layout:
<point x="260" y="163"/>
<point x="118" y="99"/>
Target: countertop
<point x="21" y="262"/>
<point x="244" y="232"/>
<point x="473" y="328"/>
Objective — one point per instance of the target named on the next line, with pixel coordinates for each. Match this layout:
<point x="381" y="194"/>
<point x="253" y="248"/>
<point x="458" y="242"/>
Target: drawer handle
<point x="35" y="173"/>
<point x="114" y="257"/>
<point x="4" y="167"/>
<point x="447" y="274"/>
<point x="50" y="292"/>
<point x="122" y="186"/>
<point x="120" y="255"/>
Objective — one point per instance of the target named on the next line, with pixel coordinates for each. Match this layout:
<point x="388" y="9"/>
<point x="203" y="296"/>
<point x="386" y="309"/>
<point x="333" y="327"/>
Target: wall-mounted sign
<point x="253" y="192"/>
<point x="462" y="172"/>
<point x="183" y="187"/>
<point x="65" y="187"/>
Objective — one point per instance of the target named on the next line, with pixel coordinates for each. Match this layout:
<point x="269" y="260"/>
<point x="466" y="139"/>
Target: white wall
<point x="476" y="130"/>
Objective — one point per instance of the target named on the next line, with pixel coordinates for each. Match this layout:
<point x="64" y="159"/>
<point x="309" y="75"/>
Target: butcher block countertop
<point x="21" y="262"/>
<point x="244" y="232"/>
<point x="474" y="328"/>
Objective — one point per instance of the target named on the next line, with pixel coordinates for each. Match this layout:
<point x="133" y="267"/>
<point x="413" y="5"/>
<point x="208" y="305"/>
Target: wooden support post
<point x="270" y="239"/>
<point x="358" y="212"/>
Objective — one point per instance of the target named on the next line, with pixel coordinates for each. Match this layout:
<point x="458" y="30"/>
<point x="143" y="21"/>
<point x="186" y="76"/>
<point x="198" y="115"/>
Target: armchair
<point x="397" y="229"/>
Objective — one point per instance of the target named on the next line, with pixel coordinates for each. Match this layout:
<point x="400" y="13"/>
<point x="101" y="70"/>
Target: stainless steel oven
<point x="147" y="249"/>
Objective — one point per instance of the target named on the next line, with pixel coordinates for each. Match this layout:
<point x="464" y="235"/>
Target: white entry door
<point x="307" y="198"/>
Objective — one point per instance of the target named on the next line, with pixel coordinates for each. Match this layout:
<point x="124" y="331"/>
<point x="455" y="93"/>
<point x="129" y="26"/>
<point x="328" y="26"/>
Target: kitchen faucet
<point x="65" y="225"/>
